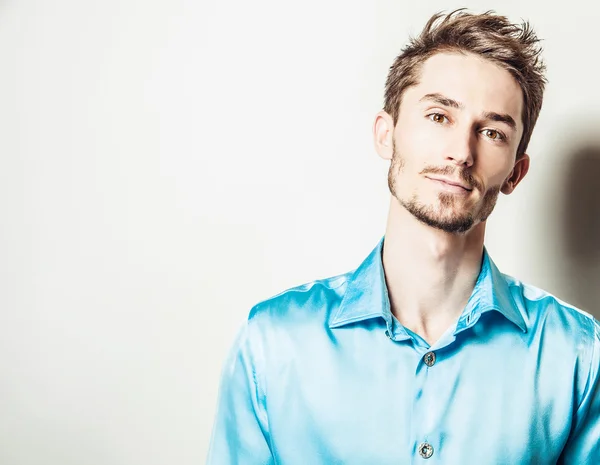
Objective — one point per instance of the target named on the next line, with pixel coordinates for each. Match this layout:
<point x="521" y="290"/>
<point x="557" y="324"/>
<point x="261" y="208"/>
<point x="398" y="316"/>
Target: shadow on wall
<point x="580" y="228"/>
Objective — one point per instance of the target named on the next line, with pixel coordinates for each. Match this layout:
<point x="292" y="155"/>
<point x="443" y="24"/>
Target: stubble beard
<point x="446" y="216"/>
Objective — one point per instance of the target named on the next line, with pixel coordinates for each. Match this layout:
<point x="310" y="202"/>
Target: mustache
<point x="463" y="174"/>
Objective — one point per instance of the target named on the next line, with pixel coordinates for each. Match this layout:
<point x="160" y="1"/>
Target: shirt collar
<point x="366" y="295"/>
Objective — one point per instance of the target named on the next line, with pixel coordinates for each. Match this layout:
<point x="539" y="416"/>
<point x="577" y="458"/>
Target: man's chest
<point x="396" y="404"/>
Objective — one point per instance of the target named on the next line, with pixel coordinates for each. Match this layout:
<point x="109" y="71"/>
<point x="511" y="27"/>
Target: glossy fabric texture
<point x="325" y="374"/>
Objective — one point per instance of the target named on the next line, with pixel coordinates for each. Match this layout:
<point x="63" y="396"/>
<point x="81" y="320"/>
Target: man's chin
<point x="450" y="222"/>
<point x="450" y="225"/>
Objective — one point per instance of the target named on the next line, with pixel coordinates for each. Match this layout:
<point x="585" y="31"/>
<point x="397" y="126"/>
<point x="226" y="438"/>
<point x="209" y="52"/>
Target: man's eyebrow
<point x="501" y="118"/>
<point x="442" y="100"/>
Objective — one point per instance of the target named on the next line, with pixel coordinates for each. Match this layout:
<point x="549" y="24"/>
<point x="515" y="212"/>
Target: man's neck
<point x="430" y="274"/>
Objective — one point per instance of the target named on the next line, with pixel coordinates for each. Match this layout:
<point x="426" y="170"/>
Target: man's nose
<point x="461" y="150"/>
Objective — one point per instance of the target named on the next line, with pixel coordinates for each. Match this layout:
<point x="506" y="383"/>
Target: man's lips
<point x="450" y="182"/>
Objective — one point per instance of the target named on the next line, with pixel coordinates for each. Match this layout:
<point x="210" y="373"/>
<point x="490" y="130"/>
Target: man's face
<point x="455" y="142"/>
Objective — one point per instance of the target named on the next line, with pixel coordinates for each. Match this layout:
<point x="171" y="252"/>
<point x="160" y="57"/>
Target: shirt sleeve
<point x="240" y="432"/>
<point x="583" y="446"/>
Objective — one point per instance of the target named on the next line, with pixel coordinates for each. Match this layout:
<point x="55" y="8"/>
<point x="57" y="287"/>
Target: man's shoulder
<point x="309" y="300"/>
<point x="542" y="308"/>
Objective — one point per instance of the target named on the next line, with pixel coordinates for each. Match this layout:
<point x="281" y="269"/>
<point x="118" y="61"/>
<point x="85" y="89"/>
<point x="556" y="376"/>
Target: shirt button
<point x="425" y="450"/>
<point x="429" y="359"/>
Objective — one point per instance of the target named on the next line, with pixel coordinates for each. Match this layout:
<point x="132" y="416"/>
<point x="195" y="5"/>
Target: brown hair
<point x="493" y="37"/>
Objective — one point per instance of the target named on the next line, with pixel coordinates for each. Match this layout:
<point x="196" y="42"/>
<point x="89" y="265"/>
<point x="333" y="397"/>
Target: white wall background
<point x="164" y="165"/>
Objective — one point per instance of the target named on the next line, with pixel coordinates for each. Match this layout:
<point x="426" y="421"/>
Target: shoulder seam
<point x="305" y="288"/>
<point x="514" y="283"/>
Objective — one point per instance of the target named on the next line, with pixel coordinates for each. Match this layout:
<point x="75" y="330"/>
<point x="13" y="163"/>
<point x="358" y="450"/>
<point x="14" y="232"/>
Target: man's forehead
<point x="478" y="84"/>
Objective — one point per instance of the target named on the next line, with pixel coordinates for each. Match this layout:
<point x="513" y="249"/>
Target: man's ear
<point x="518" y="173"/>
<point x="383" y="135"/>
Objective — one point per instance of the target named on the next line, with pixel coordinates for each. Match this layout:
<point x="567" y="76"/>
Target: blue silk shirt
<point x="324" y="374"/>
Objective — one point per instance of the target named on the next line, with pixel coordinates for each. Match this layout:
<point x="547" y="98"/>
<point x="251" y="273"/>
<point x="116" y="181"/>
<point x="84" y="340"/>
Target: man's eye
<point x="437" y="118"/>
<point x="493" y="134"/>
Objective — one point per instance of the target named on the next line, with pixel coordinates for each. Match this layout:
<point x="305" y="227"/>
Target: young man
<point x="426" y="353"/>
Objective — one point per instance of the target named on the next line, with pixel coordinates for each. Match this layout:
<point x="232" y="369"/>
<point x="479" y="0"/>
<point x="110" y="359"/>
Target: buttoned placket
<point x="425" y="433"/>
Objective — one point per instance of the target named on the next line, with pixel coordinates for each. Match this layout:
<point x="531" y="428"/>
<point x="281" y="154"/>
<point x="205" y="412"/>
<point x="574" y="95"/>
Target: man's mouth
<point x="452" y="184"/>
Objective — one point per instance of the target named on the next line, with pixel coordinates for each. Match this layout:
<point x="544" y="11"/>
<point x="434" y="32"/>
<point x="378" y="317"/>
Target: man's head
<point x="461" y="102"/>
